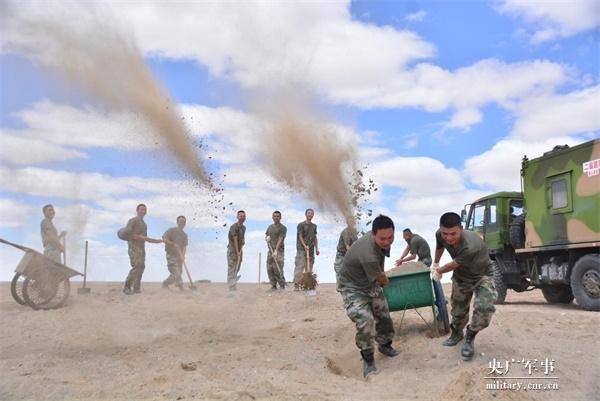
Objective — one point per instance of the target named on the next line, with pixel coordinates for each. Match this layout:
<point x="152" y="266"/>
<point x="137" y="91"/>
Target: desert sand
<point x="253" y="345"/>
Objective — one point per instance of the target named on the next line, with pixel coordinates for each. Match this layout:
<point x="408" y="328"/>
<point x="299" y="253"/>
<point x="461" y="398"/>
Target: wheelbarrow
<point x="412" y="290"/>
<point x="39" y="282"/>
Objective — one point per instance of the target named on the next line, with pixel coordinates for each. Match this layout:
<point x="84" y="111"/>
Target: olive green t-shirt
<point x="419" y="247"/>
<point x="236" y="230"/>
<point x="471" y="254"/>
<point x="362" y="264"/>
<point x="308" y="232"/>
<point x="276" y="231"/>
<point x="177" y="236"/>
<point x="136" y="226"/>
<point x="347" y="236"/>
<point x="49" y="234"/>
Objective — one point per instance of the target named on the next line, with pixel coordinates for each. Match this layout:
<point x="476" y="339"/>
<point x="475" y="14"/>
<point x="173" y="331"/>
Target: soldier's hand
<point x="436" y="275"/>
<point x="318" y="253"/>
<point x="275" y="253"/>
<point x="383" y="280"/>
<point x="399" y="262"/>
<point x="435" y="265"/>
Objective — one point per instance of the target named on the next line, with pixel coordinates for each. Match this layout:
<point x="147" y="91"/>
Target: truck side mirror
<point x="463" y="216"/>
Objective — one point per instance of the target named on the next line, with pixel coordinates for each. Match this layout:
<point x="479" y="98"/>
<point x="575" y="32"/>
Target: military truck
<point x="548" y="235"/>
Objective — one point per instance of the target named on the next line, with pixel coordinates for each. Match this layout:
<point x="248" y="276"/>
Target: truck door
<point x="476" y="220"/>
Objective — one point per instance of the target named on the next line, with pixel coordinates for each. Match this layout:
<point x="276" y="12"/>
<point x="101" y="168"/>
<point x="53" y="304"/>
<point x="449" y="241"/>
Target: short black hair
<point x="46" y="207"/>
<point x="181" y="217"/>
<point x="382" y="222"/>
<point x="407" y="230"/>
<point x="277" y="211"/>
<point x="306" y="211"/>
<point x="240" y="211"/>
<point x="139" y="206"/>
<point x="450" y="220"/>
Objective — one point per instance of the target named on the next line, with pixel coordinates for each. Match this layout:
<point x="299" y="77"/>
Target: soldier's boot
<point x="454" y="338"/>
<point x="273" y="288"/>
<point x="127" y="289"/>
<point x="468" y="348"/>
<point x="368" y="358"/>
<point x="387" y="350"/>
<point x="137" y="287"/>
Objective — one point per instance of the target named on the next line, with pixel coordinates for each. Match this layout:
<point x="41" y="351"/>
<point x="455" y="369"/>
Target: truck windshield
<point x="516" y="208"/>
<point x="476" y="219"/>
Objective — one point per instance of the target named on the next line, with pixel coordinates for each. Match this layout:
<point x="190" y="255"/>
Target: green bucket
<point x="409" y="290"/>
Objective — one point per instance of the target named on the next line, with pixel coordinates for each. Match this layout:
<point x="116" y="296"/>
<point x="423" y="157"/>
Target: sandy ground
<point x="256" y="345"/>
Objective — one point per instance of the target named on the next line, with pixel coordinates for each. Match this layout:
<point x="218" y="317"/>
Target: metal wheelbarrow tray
<point x="39" y="282"/>
<point x="414" y="290"/>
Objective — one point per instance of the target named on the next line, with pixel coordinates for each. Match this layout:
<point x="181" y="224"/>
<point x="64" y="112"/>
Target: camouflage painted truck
<point x="548" y="235"/>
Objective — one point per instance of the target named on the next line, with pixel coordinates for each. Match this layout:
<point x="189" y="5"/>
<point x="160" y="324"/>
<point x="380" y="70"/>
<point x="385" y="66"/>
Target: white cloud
<point x="558" y="115"/>
<point x="14" y="214"/>
<point x="416" y="16"/>
<point x="499" y="168"/>
<point x="86" y="127"/>
<point x="18" y="150"/>
<point x="418" y="175"/>
<point x="554" y="19"/>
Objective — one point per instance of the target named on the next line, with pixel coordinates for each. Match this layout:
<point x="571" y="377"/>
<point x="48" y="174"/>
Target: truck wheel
<point x="557" y="294"/>
<point x="517" y="232"/>
<point x="499" y="284"/>
<point x="585" y="282"/>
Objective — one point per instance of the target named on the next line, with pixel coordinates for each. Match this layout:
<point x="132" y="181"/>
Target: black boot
<point x="454" y="338"/>
<point x="368" y="363"/>
<point x="468" y="348"/>
<point x="387" y="350"/>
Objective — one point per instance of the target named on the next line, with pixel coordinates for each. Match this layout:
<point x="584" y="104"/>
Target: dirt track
<point x="281" y="346"/>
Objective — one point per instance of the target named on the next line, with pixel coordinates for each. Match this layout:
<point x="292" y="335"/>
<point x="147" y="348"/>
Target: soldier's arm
<point x="300" y="238"/>
<point x="235" y="244"/>
<point x="448" y="267"/>
<point x="438" y="255"/>
<point x="316" y="244"/>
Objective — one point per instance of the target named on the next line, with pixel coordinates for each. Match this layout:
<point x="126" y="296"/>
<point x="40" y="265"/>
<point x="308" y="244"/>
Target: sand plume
<point x="83" y="45"/>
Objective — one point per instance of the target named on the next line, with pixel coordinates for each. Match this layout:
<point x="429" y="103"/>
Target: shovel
<point x="308" y="280"/>
<point x="274" y="259"/>
<point x="192" y="286"/>
<point x="237" y="267"/>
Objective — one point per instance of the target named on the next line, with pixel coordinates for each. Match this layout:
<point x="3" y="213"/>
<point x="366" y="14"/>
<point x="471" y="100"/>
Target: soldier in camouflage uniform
<point x="360" y="283"/>
<point x="275" y="236"/>
<point x="237" y="232"/>
<point x="417" y="246"/>
<point x="176" y="242"/>
<point x="306" y="239"/>
<point x="472" y="276"/>
<point x="50" y="238"/>
<point x="347" y="237"/>
<point x="136" y="232"/>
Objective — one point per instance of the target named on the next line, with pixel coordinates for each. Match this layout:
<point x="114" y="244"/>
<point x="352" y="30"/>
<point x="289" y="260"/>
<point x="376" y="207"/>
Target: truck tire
<point x="585" y="282"/>
<point x="499" y="284"/>
<point x="517" y="232"/>
<point x="557" y="294"/>
<point x="16" y="288"/>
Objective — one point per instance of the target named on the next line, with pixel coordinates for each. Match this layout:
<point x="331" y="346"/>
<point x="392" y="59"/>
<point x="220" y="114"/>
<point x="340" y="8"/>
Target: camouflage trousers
<point x="174" y="265"/>
<point x="300" y="262"/>
<point x="52" y="253"/>
<point x="370" y="314"/>
<point x="275" y="276"/>
<point x="337" y="265"/>
<point x="483" y="305"/>
<point x="137" y="259"/>
<point x="232" y="266"/>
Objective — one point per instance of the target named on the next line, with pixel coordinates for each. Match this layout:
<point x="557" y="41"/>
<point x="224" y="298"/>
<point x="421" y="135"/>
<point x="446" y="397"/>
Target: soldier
<point x="275" y="236"/>
<point x="176" y="242"/>
<point x="50" y="238"/>
<point x="236" y="243"/>
<point x="306" y="240"/>
<point x="472" y="269"/>
<point x="136" y="233"/>
<point x="360" y="283"/>
<point x="347" y="237"/>
<point x="417" y="246"/>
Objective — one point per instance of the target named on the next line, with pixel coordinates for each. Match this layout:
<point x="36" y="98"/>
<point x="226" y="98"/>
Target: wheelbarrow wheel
<point x="16" y="288"/>
<point x="441" y="304"/>
<point x="46" y="294"/>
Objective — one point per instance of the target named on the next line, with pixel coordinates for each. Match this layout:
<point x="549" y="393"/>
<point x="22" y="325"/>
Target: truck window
<point x="559" y="194"/>
<point x="492" y="225"/>
<point x="516" y="209"/>
<point x="477" y="218"/>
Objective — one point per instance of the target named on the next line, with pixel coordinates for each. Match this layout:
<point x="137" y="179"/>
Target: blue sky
<point x="440" y="99"/>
